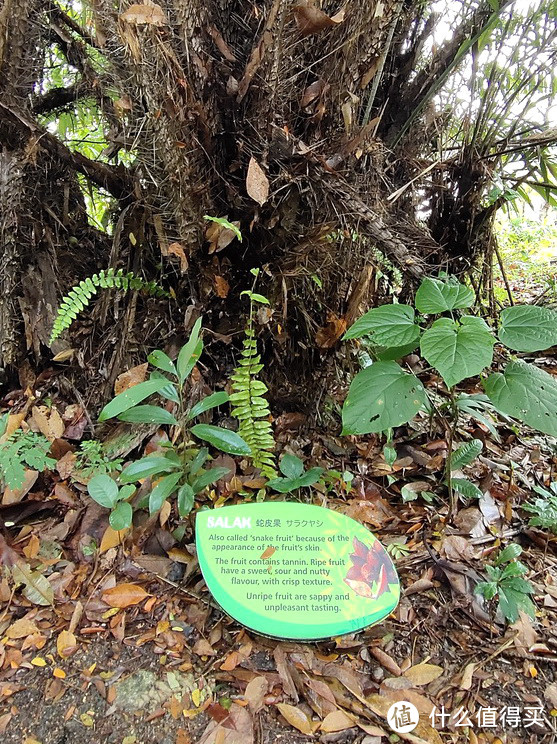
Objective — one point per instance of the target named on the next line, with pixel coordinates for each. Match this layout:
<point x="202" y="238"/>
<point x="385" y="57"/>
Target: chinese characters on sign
<point x="507" y="717"/>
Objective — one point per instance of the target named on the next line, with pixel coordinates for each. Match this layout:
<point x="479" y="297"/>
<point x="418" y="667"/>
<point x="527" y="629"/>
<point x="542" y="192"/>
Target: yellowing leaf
<point x="295" y="717"/>
<point x="59" y="673"/>
<point x="38" y="661"/>
<point x="337" y="720"/>
<point x="66" y="643"/>
<point x="423" y="674"/>
<point x="112" y="538"/>
<point x="87" y="720"/>
<point x="196" y="697"/>
<point x="124" y="595"/>
<point x="257" y="183"/>
<point x="64" y="355"/>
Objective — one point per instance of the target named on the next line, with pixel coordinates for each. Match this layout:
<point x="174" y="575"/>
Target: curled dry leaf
<point x="296" y="717"/>
<point x="257" y="183"/>
<point x="222" y="287"/>
<point x="152" y="15"/>
<point x="177" y="249"/>
<point x="236" y="729"/>
<point x="311" y="20"/>
<point x="124" y="595"/>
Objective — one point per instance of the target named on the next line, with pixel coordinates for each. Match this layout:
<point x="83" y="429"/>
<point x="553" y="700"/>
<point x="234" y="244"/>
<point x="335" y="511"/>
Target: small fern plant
<point x="79" y="296"/>
<point x="249" y="405"/>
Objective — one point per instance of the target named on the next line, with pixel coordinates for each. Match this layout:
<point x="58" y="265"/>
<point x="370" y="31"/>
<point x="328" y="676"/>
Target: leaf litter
<point x="116" y="635"/>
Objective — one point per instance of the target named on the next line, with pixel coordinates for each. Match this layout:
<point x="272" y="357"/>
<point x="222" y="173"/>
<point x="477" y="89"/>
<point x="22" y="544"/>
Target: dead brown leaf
<point x="312" y="20"/>
<point x="236" y="729"/>
<point x="423" y="674"/>
<point x="130" y="378"/>
<point x="177" y="249"/>
<point x="296" y="717"/>
<point x="151" y="14"/>
<point x="66" y="644"/>
<point x="257" y="183"/>
<point x="255" y="693"/>
<point x="124" y="595"/>
<point x="222" y="287"/>
<point x="338" y="720"/>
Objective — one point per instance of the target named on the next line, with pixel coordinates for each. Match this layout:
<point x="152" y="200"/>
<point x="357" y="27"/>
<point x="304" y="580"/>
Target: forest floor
<point x="163" y="664"/>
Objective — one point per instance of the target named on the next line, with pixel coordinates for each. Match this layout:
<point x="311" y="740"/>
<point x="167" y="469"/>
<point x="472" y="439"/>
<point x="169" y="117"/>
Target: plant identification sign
<point x="295" y="571"/>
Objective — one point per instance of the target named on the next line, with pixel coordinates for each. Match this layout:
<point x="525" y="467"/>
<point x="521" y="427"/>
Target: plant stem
<point x="448" y="472"/>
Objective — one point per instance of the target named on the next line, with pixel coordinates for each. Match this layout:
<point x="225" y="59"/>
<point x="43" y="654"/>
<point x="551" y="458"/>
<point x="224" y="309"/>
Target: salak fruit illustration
<point x="371" y="571"/>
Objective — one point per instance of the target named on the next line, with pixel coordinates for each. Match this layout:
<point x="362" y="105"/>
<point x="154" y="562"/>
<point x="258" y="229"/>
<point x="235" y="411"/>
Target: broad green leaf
<point x="164" y="488"/>
<point x="309" y="478"/>
<point x="291" y="466"/>
<point x="148" y="415"/>
<point x="121" y="516"/>
<point x="528" y="328"/>
<point x="384" y="354"/>
<point x="527" y="393"/>
<point x="223" y="439"/>
<point x="388" y="325"/>
<point x="211" y="401"/>
<point x="131" y="397"/>
<point x="208" y="477"/>
<point x="466" y="488"/>
<point x="188" y="352"/>
<point x="103" y="490"/>
<point x="487" y="589"/>
<point x="512" y="601"/>
<point x="168" y="391"/>
<point x="511" y="552"/>
<point x="458" y="350"/>
<point x="152" y="465"/>
<point x="465" y="454"/>
<point x="380" y="397"/>
<point x="435" y="296"/>
<point x="186" y="499"/>
<point x="162" y="361"/>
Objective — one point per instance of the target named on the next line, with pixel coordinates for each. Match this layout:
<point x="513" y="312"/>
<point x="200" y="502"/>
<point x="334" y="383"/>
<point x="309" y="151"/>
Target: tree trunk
<point x="270" y="114"/>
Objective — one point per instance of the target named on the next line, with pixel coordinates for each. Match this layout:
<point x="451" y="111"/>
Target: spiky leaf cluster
<point x="79" y="296"/>
<point x="251" y="408"/>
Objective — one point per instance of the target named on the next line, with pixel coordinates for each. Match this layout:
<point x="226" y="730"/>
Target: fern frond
<point x="79" y="296"/>
<point x="250" y="406"/>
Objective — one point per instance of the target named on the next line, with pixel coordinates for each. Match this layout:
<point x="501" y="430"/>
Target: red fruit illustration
<point x="372" y="570"/>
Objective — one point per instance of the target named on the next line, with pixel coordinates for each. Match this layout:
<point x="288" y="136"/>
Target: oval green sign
<point x="295" y="571"/>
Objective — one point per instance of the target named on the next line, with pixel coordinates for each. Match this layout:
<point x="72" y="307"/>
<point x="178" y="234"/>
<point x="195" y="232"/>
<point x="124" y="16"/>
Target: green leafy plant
<point x="295" y="476"/>
<point x="79" y="296"/>
<point x="103" y="489"/>
<point x="249" y="404"/>
<point x="544" y="509"/>
<point x="507" y="585"/>
<point x="179" y="468"/>
<point x="92" y="460"/>
<point x="458" y="346"/>
<point x="23" y="449"/>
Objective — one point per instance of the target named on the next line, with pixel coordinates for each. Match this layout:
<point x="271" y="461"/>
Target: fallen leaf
<point x="255" y="693"/>
<point x="203" y="648"/>
<point x="337" y="721"/>
<point x="21" y="629"/>
<point x="177" y="249"/>
<point x="112" y="538"/>
<point x="257" y="183"/>
<point x="130" y="378"/>
<point x="59" y="673"/>
<point x="15" y="495"/>
<point x="36" y="587"/>
<point x="467" y="676"/>
<point x="236" y="729"/>
<point x="14" y="422"/>
<point x="38" y="661"/>
<point x="386" y="661"/>
<point x="222" y="287"/>
<point x="423" y="674"/>
<point x="66" y="644"/>
<point x="327" y="336"/>
<point x="144" y="14"/>
<point x="124" y="595"/>
<point x="295" y="717"/>
<point x="550" y="694"/>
